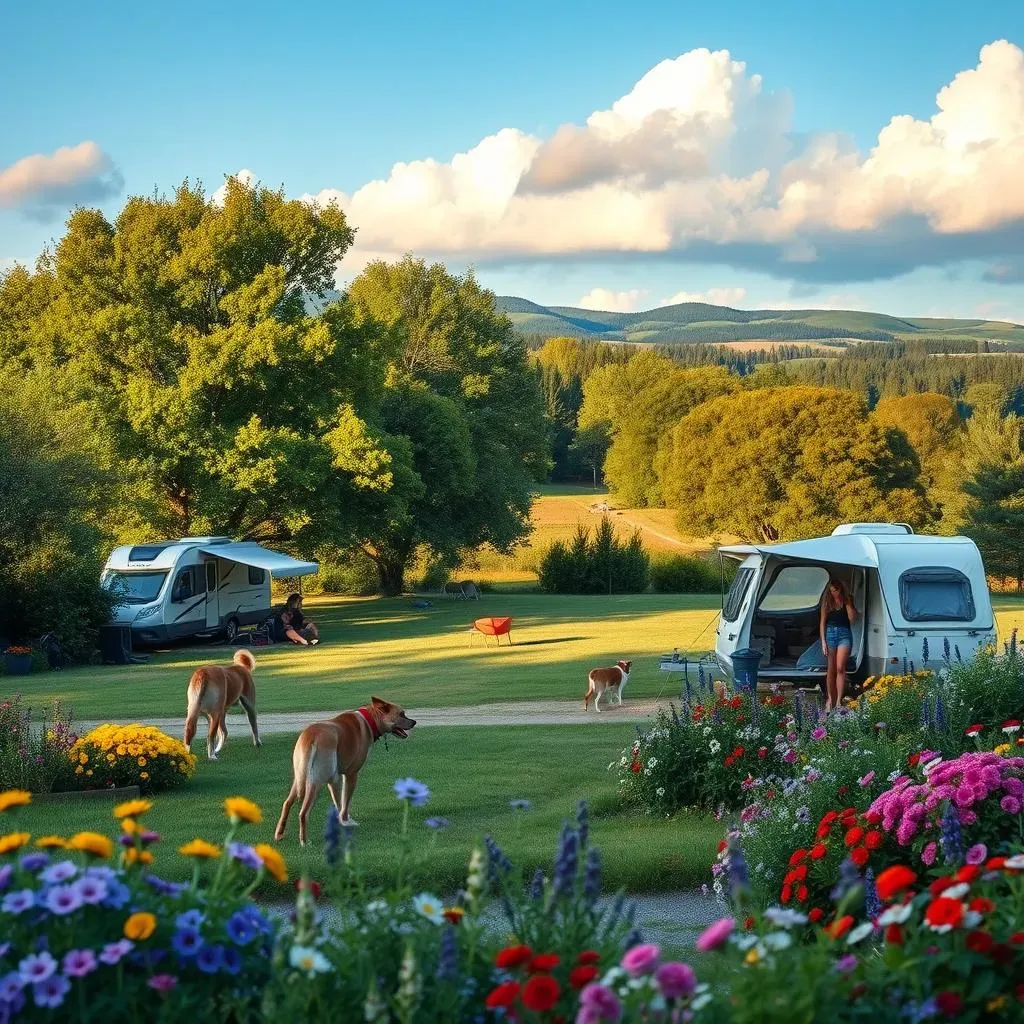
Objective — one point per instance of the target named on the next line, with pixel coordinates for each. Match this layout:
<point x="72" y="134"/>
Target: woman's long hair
<point x="829" y="601"/>
<point x="293" y="602"/>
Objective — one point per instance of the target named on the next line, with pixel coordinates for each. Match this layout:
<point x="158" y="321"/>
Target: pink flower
<point x="162" y="982"/>
<point x="905" y="833"/>
<point x="675" y="980"/>
<point x="928" y="854"/>
<point x="968" y="818"/>
<point x="714" y="935"/>
<point x="1013" y="786"/>
<point x="641" y="959"/>
<point x="866" y="780"/>
<point x="1010" y="804"/>
<point x="977" y="854"/>
<point x="964" y="797"/>
<point x="789" y="756"/>
<point x="819" y="733"/>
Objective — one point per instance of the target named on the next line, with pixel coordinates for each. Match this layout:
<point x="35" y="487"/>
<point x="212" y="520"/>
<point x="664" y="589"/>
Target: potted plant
<point x="18" y="660"/>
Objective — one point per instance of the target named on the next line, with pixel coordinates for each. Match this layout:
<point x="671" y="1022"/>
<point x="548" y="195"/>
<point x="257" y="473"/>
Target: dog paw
<point x="279" y="835"/>
<point x="348" y="822"/>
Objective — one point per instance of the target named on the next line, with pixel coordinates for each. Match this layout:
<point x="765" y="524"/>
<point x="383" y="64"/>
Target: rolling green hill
<point x="700" y="322"/>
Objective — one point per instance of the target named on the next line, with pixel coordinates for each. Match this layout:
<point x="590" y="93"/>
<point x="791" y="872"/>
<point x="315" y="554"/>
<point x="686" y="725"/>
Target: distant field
<point x="764" y="344"/>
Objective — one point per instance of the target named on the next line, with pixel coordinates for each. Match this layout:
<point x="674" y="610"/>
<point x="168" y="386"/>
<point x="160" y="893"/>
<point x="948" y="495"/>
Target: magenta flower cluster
<point x="967" y="781"/>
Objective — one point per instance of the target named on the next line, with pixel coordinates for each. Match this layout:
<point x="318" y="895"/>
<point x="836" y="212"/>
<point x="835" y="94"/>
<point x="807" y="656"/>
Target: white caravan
<point x="195" y="585"/>
<point x="913" y="593"/>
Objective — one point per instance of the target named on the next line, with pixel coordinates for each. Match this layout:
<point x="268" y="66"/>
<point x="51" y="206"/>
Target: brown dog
<point x="212" y="690"/>
<point x="332" y="753"/>
<point x="604" y="680"/>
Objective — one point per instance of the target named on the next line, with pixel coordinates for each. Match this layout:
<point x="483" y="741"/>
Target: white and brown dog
<point x="332" y="753"/>
<point x="215" y="688"/>
<point x="606" y="680"/>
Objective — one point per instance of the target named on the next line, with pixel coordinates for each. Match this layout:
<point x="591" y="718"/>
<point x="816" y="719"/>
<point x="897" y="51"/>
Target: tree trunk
<point x="392" y="576"/>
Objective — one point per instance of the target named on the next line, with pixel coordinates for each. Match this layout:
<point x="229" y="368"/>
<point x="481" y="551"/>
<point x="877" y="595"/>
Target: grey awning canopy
<point x="247" y="553"/>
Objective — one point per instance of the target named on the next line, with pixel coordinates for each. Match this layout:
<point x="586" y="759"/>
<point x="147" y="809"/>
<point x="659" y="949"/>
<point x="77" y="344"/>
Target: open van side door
<point x="733" y="632"/>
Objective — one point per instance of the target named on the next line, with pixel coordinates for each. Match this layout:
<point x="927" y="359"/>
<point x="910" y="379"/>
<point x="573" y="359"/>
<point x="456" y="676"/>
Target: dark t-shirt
<point x="838" y="617"/>
<point x="293" y="619"/>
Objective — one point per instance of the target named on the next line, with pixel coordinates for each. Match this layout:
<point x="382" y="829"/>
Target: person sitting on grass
<point x="297" y="627"/>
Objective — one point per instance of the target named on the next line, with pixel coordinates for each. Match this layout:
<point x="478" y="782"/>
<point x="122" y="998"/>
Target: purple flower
<point x="34" y="862"/>
<point x="118" y="894"/>
<point x="92" y="890"/>
<point x="164" y="887"/>
<point x="62" y="871"/>
<point x="928" y="854"/>
<point x="210" y="959"/>
<point x="245" y="855"/>
<point x="37" y="967"/>
<point x="240" y="928"/>
<point x="79" y="962"/>
<point x="412" y="790"/>
<point x="51" y="993"/>
<point x="11" y="985"/>
<point x="1010" y="804"/>
<point x="187" y="941"/>
<point x="18" y="901"/>
<point x="845" y="964"/>
<point x="162" y="982"/>
<point x="641" y="960"/>
<point x="819" y="733"/>
<point x="437" y="823"/>
<point x="675" y="980"/>
<point x="789" y="756"/>
<point x="601" y="1001"/>
<point x="866" y="780"/>
<point x="977" y="854"/>
<point x="5" y="876"/>
<point x="115" y="952"/>
<point x="63" y="899"/>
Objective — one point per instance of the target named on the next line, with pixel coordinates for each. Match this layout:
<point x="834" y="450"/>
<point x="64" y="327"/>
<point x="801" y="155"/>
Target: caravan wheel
<point x="231" y="630"/>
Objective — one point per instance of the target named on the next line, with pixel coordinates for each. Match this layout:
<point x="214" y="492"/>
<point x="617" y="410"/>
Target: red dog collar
<point x="371" y="722"/>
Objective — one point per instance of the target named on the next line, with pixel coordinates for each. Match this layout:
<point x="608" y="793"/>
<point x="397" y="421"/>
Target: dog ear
<point x="380" y="703"/>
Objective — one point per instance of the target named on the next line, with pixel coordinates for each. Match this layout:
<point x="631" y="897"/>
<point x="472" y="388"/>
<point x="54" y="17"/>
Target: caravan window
<point x="737" y="592"/>
<point x="135" y="587"/>
<point x="795" y="587"/>
<point x="936" y="594"/>
<point x="184" y="585"/>
<point x="256" y="576"/>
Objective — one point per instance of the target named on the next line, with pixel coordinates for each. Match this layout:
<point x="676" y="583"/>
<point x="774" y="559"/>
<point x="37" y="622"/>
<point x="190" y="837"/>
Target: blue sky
<point x="324" y="98"/>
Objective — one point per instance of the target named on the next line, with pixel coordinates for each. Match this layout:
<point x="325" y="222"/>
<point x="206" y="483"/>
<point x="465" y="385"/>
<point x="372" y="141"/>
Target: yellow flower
<point x="13" y="841"/>
<point x="751" y="957"/>
<point x="51" y="843"/>
<point x="239" y="809"/>
<point x="142" y="762"/>
<point x="132" y="808"/>
<point x="121" y="750"/>
<point x="272" y="861"/>
<point x="1002" y="749"/>
<point x="201" y="849"/>
<point x="131" y="826"/>
<point x="83" y="758"/>
<point x="995" y="1004"/>
<point x="139" y="927"/>
<point x="93" y="843"/>
<point x="143" y="775"/>
<point x="132" y="856"/>
<point x="15" y="798"/>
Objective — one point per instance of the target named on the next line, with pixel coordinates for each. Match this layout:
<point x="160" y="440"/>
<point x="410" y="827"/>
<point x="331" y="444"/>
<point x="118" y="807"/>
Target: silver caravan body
<point x="913" y="593"/>
<point x="195" y="585"/>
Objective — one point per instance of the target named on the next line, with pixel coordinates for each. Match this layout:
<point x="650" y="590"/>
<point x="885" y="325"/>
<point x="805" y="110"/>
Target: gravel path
<point x="548" y="712"/>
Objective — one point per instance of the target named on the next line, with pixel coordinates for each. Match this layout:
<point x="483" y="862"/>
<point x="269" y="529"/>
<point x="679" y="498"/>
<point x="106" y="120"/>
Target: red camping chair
<point x="496" y="627"/>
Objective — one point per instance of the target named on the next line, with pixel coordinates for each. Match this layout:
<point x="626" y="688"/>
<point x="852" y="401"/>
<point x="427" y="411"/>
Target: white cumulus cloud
<point x="715" y="296"/>
<point x="42" y="185"/>
<point x="245" y="176"/>
<point x="607" y="301"/>
<point x="698" y="162"/>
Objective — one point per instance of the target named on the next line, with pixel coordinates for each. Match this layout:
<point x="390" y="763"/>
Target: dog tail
<point x="196" y="687"/>
<point x="246" y="660"/>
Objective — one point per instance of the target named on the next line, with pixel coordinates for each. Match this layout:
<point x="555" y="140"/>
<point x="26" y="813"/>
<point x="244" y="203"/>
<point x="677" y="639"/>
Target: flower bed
<point x="131" y="755"/>
<point x="34" y="755"/>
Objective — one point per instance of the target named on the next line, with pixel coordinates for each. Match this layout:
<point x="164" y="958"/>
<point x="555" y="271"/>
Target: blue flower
<point x="240" y="928"/>
<point x="951" y="839"/>
<point x="448" y="959"/>
<point x="437" y="823"/>
<point x="232" y="961"/>
<point x="245" y="855"/>
<point x="118" y="894"/>
<point x="412" y="790"/>
<point x="210" y="959"/>
<point x="5" y="876"/>
<point x="92" y="890"/>
<point x="164" y="887"/>
<point x="63" y="899"/>
<point x="50" y="993"/>
<point x="18" y="901"/>
<point x="62" y="871"/>
<point x="34" y="861"/>
<point x="582" y="823"/>
<point x="537" y="885"/>
<point x="566" y="860"/>
<point x="187" y="942"/>
<point x="11" y="985"/>
<point x="190" y="919"/>
<point x="332" y="838"/>
<point x="592" y="875"/>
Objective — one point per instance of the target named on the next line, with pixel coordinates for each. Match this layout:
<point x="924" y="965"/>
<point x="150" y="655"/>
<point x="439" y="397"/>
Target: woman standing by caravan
<point x="838" y="615"/>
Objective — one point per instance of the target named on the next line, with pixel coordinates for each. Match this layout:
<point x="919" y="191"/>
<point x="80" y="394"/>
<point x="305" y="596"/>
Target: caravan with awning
<point x="195" y="585"/>
<point x="918" y="598"/>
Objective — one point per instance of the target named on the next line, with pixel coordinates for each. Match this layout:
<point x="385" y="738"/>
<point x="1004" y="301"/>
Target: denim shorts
<point x="838" y="636"/>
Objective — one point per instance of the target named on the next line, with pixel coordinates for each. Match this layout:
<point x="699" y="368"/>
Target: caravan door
<point x="733" y="631"/>
<point x="212" y="604"/>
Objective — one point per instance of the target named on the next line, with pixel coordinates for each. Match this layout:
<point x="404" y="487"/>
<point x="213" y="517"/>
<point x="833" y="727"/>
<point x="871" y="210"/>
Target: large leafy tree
<point x="788" y="463"/>
<point x="220" y="401"/>
<point x="461" y="414"/>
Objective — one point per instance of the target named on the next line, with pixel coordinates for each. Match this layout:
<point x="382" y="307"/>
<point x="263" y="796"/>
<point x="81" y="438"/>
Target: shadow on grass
<point x="552" y="640"/>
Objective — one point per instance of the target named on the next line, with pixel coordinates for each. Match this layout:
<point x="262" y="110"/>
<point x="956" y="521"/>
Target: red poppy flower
<point x="828" y="817"/>
<point x="815" y="914"/>
<point x="635" y="767"/>
<point x="729" y="760"/>
<point x="968" y="873"/>
<point x="722" y="844"/>
<point x="942" y="913"/>
<point x="748" y="923"/>
<point x="504" y="995"/>
<point x="762" y="752"/>
<point x="854" y="836"/>
<point x="859" y="855"/>
<point x="799" y="872"/>
<point x="913" y="760"/>
<point x="546" y="962"/>
<point x="540" y="993"/>
<point x="796" y="857"/>
<point x="588" y="956"/>
<point x="801" y="893"/>
<point x="313" y="887"/>
<point x="949" y="1003"/>
<point x="736" y="703"/>
<point x="894" y="935"/>
<point x="823" y="831"/>
<point x="582" y="976"/>
<point x="940" y="885"/>
<point x="981" y="905"/>
<point x="873" y="817"/>
<point x="837" y="929"/>
<point x="995" y="863"/>
<point x="513" y="956"/>
<point x="893" y="881"/>
<point x="787" y="894"/>
<point x="818" y="850"/>
<point x="979" y="942"/>
<point x="873" y="840"/>
<point x="1017" y="938"/>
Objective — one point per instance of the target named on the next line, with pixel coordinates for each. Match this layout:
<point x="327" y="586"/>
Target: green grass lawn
<point x="418" y="658"/>
<point x="472" y="774"/>
<point x="423" y="658"/>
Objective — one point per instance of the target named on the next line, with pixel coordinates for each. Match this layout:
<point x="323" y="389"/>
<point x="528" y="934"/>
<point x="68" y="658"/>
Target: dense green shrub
<point x="689" y="574"/>
<point x="353" y="574"/>
<point x="604" y="565"/>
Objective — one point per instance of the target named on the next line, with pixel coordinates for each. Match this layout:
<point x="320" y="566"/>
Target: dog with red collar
<point x="332" y="754"/>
